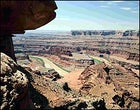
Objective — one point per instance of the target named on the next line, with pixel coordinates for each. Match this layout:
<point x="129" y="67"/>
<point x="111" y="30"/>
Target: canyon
<point x="91" y="70"/>
<point x="72" y="70"/>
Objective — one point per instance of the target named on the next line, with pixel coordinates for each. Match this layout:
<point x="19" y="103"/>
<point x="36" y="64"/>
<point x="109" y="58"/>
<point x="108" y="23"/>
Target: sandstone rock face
<point x="51" y="74"/>
<point x="14" y="86"/>
<point x="117" y="85"/>
<point x="96" y="73"/>
<point x="17" y="16"/>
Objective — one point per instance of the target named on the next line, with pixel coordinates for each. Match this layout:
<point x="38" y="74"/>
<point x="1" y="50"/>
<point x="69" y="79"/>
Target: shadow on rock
<point x="38" y="99"/>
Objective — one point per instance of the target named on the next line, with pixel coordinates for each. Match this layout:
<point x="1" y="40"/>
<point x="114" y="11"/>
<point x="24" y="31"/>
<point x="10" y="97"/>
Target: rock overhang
<point x="17" y="16"/>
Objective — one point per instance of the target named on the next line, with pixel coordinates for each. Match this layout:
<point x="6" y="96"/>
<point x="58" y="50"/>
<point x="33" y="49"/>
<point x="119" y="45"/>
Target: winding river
<point x="49" y="64"/>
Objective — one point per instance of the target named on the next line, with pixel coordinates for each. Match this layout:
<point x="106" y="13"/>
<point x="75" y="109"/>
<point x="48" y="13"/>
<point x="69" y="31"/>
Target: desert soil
<point x="72" y="79"/>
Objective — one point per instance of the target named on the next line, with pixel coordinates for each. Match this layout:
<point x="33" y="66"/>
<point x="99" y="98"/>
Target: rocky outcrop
<point x="97" y="73"/>
<point x="51" y="74"/>
<point x="17" y="16"/>
<point x="14" y="86"/>
<point x="117" y="85"/>
<point x="58" y="50"/>
<point x="126" y="100"/>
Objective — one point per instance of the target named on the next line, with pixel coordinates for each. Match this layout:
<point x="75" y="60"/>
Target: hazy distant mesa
<point x="106" y="32"/>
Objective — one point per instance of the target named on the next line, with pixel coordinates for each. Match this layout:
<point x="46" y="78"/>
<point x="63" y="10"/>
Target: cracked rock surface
<point x="14" y="85"/>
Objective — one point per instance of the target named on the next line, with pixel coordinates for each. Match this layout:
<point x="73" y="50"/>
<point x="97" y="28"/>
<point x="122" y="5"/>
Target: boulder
<point x="14" y="86"/>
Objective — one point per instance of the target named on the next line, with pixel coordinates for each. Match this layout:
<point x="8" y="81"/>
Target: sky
<point x="95" y="15"/>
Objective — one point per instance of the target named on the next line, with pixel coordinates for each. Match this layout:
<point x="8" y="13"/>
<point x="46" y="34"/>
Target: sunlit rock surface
<point x="14" y="86"/>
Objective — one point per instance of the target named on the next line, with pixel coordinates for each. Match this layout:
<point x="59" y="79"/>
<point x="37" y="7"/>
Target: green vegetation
<point x="97" y="61"/>
<point x="39" y="60"/>
<point x="43" y="63"/>
<point x="107" y="59"/>
<point x="62" y="68"/>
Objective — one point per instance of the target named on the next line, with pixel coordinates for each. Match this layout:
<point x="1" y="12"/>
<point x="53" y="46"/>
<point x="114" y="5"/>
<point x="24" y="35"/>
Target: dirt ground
<point x="72" y="79"/>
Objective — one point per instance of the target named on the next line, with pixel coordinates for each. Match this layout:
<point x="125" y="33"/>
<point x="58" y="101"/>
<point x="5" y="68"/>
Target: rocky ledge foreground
<point x="14" y="86"/>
